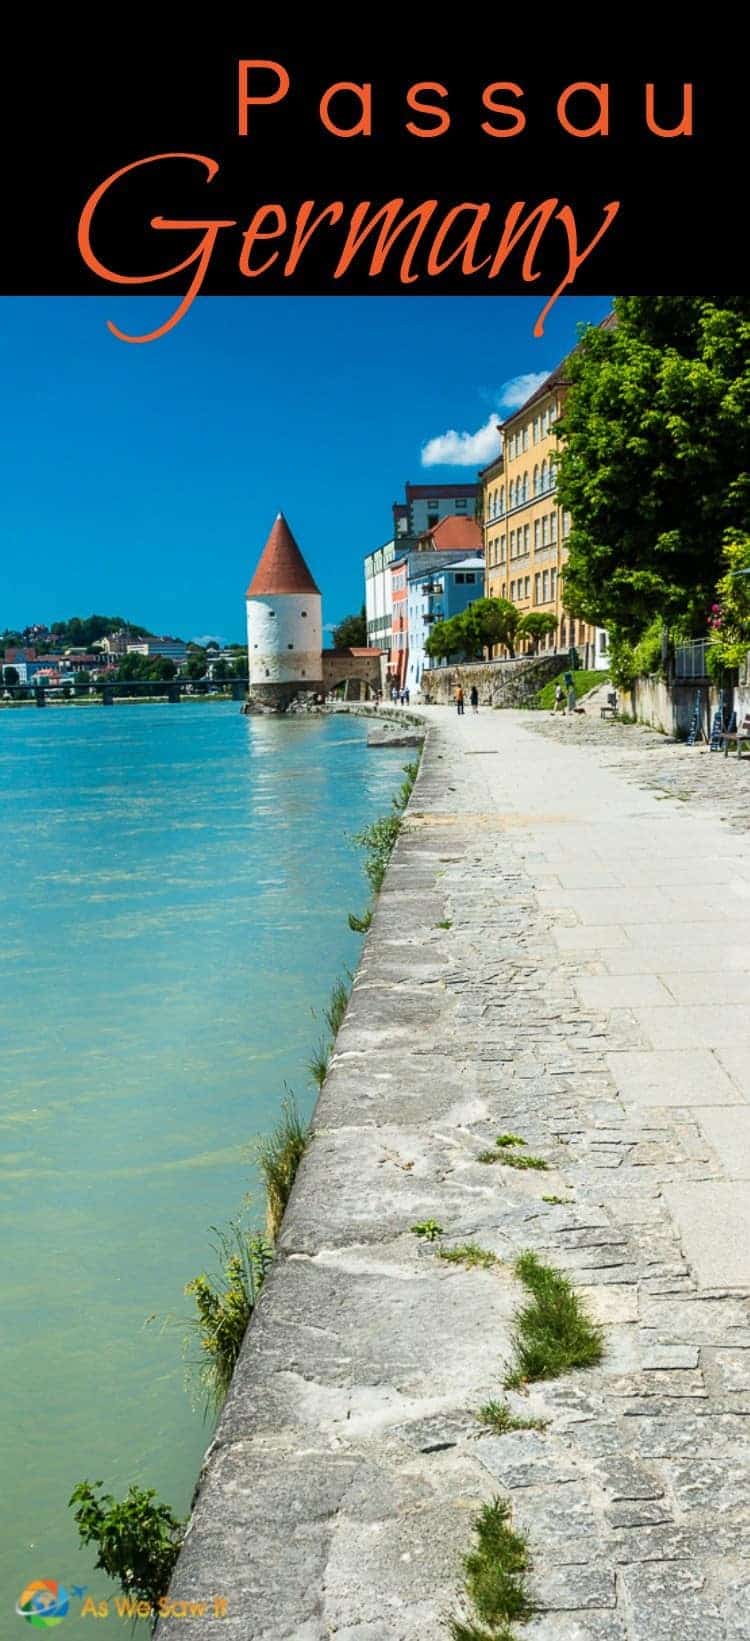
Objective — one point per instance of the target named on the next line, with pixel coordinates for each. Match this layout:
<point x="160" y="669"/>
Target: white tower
<point x="284" y="622"/>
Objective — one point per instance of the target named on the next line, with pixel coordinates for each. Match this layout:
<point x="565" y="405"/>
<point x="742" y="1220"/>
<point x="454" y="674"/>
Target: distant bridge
<point x="171" y="690"/>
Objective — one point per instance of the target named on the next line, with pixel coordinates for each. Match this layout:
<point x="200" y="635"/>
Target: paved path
<point x="590" y="995"/>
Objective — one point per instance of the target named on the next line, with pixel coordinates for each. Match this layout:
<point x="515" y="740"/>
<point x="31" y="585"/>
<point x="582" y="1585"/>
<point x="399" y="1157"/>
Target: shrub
<point x="379" y="840"/>
<point x="138" y="1540"/>
<point x="225" y="1305"/>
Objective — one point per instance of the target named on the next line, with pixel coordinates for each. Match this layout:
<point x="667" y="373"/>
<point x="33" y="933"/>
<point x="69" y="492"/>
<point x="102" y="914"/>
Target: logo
<point x="43" y="1603"/>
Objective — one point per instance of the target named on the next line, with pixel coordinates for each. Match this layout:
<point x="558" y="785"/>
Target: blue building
<point x="438" y="588"/>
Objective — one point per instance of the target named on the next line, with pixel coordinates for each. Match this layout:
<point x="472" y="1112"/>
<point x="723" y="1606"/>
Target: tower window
<point x="303" y="612"/>
<point x="290" y="646"/>
<point x="266" y="671"/>
<point x="272" y="612"/>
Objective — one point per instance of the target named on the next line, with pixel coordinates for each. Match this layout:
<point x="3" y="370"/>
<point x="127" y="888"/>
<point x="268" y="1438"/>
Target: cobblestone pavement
<point x="560" y="953"/>
<point x="690" y="774"/>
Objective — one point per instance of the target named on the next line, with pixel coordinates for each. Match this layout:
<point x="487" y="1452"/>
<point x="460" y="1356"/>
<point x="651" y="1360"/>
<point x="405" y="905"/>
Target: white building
<point x="378" y="600"/>
<point x="284" y="621"/>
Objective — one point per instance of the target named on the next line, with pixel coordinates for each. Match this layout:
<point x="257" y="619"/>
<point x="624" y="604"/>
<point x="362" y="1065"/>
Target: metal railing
<point x="690" y="659"/>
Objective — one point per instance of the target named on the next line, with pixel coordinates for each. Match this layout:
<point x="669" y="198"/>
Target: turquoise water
<point x="174" y="894"/>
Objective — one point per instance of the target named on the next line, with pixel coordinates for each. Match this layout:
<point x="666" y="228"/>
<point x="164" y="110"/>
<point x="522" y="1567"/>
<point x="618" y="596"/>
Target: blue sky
<point x="143" y="480"/>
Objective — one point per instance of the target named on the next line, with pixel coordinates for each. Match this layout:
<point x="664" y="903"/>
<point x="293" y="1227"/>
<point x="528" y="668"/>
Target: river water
<point x="175" y="883"/>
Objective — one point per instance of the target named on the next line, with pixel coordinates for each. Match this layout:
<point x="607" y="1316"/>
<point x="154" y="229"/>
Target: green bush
<point x="379" y="840"/>
<point x="225" y="1304"/>
<point x="138" y="1540"/>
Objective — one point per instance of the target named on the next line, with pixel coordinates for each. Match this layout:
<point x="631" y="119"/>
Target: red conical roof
<point x="281" y="567"/>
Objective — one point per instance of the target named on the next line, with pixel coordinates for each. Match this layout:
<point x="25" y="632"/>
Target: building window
<point x="566" y="524"/>
<point x="544" y="530"/>
<point x="460" y="576"/>
<point x="537" y="584"/>
<point x="552" y="583"/>
<point x="536" y="429"/>
<point x="537" y="532"/>
<point x="545" y="587"/>
<point x="525" y="488"/>
<point x="526" y="537"/>
<point x="502" y="549"/>
<point x="536" y="481"/>
<point x="460" y="503"/>
<point x="527" y="587"/>
<point x="526" y="437"/>
<point x="303" y="612"/>
<point x="553" y="527"/>
<point x="470" y="577"/>
<point x="432" y="520"/>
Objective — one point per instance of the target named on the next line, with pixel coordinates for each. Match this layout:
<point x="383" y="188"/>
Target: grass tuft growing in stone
<point x="559" y="1202"/>
<point x="336" y="1007"/>
<point x="445" y="923"/>
<point x="553" y="1333"/>
<point x="504" y="1140"/>
<point x="497" y="1416"/>
<point x="496" y="1580"/>
<point x="429" y="1229"/>
<point x="509" y="1159"/>
<point x="317" y="1065"/>
<point x="278" y="1156"/>
<point x="470" y="1255"/>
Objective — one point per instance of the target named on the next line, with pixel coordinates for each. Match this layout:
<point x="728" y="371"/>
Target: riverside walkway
<point x="561" y="953"/>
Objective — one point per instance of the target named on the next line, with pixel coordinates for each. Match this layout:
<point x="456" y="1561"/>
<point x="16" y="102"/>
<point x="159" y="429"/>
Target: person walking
<point x="459" y="698"/>
<point x="474" y="698"/>
<point x="559" y="703"/>
<point x="394" y="694"/>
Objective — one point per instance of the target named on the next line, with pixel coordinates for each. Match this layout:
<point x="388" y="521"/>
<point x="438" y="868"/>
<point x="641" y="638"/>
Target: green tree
<point x="729" y="620"/>
<point x="81" y="679"/>
<point x="239" y="665"/>
<point x="195" y="666"/>
<point x="655" y="459"/>
<point x="220" y="670"/>
<point x="536" y="625"/>
<point x="489" y="622"/>
<point x="446" y="639"/>
<point x="11" y="676"/>
<point x="351" y="633"/>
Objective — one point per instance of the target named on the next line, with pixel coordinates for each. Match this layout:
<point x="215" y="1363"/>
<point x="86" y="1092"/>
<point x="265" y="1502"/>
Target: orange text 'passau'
<point x="414" y="243"/>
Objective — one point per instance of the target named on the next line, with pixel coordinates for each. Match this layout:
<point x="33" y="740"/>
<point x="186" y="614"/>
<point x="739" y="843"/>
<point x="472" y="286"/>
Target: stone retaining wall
<point x="500" y="683"/>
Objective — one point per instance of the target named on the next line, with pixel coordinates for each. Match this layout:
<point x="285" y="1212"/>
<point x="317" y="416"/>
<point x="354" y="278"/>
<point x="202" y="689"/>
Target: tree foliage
<point x="486" y="623"/>
<point x="729" y="620"/>
<point x="655" y="459"/>
<point x="351" y="633"/>
<point x="536" y="625"/>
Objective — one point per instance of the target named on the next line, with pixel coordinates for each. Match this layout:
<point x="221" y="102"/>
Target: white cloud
<point x="453" y="449"/>
<point x="520" y="388"/>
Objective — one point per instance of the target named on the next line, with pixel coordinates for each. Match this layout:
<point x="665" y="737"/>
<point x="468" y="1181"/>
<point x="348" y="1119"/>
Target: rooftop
<point x="455" y="532"/>
<point x="281" y="567"/>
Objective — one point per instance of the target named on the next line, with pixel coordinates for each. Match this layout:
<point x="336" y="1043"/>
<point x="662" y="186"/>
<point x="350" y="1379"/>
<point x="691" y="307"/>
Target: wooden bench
<point x="611" y="707"/>
<point x="740" y="735"/>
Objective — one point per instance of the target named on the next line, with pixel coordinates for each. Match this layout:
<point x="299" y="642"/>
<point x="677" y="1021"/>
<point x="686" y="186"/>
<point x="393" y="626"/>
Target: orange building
<point x="526" y="531"/>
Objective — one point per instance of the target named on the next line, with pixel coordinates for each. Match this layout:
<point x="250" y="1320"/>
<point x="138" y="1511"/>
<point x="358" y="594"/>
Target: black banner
<point x="459" y="169"/>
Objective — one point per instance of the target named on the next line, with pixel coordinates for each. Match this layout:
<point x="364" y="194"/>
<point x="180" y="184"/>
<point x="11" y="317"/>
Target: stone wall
<point x="670" y="706"/>
<point x="500" y="683"/>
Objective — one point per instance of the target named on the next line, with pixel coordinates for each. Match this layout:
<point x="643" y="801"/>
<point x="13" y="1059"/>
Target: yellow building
<point x="525" y="531"/>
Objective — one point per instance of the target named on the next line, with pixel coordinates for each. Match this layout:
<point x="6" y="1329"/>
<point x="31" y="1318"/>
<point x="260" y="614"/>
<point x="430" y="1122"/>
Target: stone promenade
<point x="558" y="952"/>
